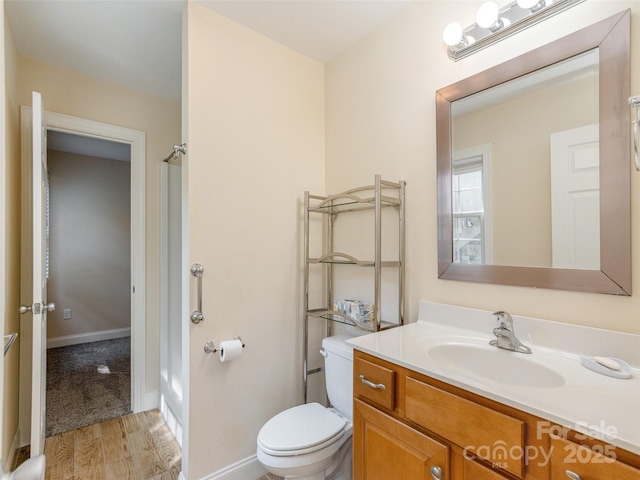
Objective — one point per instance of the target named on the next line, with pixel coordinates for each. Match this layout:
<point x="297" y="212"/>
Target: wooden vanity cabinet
<point x="406" y="423"/>
<point x="570" y="460"/>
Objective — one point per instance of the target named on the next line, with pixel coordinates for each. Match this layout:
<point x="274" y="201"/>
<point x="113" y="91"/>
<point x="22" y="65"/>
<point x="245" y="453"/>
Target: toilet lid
<point x="301" y="428"/>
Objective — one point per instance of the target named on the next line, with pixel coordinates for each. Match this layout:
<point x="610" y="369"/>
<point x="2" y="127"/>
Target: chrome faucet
<point x="506" y="335"/>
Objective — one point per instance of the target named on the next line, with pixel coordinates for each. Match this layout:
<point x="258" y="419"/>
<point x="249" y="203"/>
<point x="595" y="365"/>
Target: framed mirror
<point x="512" y="143"/>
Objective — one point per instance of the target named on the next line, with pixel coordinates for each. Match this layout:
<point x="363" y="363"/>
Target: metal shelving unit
<point x="381" y="195"/>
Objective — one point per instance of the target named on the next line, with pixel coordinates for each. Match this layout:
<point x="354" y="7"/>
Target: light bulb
<point x="487" y="15"/>
<point x="532" y="5"/>
<point x="452" y="35"/>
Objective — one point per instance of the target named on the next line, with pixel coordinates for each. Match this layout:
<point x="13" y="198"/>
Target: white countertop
<point x="600" y="406"/>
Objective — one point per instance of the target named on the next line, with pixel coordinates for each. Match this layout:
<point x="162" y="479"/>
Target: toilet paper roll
<point x="230" y="350"/>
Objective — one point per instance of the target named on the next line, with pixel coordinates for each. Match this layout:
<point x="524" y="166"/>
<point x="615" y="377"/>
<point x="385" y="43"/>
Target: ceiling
<point x="137" y="43"/>
<point x="89" y="146"/>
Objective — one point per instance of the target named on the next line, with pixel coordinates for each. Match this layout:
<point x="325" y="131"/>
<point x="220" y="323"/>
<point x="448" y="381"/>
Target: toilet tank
<point x="338" y="370"/>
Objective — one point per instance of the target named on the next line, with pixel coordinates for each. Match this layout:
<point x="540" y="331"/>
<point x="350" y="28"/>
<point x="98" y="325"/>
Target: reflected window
<point x="471" y="201"/>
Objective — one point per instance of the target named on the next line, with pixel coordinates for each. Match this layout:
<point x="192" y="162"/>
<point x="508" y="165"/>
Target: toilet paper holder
<point x="210" y="346"/>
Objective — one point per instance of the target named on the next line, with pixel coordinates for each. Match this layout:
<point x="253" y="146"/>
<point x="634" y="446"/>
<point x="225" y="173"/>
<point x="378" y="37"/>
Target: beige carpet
<point x="78" y="394"/>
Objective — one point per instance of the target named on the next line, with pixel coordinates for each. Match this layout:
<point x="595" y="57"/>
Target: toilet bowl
<point x="313" y="442"/>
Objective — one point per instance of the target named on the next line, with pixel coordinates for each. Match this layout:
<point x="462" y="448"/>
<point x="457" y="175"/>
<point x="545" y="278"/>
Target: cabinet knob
<point x="436" y="473"/>
<point x="572" y="475"/>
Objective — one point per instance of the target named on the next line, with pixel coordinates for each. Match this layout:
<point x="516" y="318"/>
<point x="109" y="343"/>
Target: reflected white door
<point x="575" y="198"/>
<point x="40" y="305"/>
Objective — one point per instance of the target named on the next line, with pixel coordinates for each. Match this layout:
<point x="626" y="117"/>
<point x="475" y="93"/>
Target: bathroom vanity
<point x="426" y="408"/>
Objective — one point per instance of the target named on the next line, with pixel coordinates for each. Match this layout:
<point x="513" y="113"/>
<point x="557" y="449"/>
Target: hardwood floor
<point x="138" y="446"/>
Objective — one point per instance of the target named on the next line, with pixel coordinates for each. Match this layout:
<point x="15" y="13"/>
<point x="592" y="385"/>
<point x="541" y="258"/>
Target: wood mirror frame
<point x="612" y="37"/>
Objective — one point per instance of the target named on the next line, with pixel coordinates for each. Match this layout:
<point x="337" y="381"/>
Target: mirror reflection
<point x="525" y="170"/>
<point x="507" y="232"/>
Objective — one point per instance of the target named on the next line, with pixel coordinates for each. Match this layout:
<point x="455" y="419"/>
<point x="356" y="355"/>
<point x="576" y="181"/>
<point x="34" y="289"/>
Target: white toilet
<point x="313" y="442"/>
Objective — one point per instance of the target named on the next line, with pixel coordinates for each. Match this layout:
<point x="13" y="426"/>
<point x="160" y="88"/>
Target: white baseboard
<point x="249" y="468"/>
<point x="172" y="419"/>
<point x="67" y="340"/>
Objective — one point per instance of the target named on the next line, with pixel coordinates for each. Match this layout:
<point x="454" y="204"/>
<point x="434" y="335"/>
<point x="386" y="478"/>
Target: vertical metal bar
<point x="305" y="300"/>
<point x="9" y="339"/>
<point x="378" y="253"/>
<point x="197" y="271"/>
<point x="401" y="296"/>
<point x="329" y="292"/>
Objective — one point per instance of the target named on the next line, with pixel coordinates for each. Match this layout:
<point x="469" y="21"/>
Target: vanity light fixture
<point x="494" y="24"/>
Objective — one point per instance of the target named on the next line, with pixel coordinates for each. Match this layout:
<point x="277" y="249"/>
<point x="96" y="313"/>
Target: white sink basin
<point x="494" y="364"/>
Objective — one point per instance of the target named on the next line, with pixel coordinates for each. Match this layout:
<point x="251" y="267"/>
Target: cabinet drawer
<point x="588" y="464"/>
<point x="475" y="471"/>
<point x="374" y="382"/>
<point x="486" y="433"/>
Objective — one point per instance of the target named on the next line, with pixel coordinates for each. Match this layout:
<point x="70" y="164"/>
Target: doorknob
<point x="50" y="307"/>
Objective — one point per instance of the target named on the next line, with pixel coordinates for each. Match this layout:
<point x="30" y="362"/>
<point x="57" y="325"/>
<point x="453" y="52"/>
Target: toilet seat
<point x="299" y="430"/>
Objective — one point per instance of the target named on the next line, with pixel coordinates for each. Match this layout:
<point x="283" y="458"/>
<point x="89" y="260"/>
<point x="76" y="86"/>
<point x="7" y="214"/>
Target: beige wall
<point x="519" y="131"/>
<point x="255" y="114"/>
<point x="380" y="108"/>
<point x="89" y="244"/>
<point x="11" y="262"/>
<point x="81" y="96"/>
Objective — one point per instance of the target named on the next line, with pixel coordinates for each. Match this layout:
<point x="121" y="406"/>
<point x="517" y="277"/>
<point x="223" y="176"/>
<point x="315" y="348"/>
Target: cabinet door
<point x="578" y="462"/>
<point x="387" y="449"/>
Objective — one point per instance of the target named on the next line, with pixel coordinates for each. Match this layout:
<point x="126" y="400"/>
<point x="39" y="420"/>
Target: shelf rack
<point x="382" y="194"/>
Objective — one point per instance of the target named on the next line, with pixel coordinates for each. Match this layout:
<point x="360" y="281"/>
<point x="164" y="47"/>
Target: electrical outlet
<point x="67" y="314"/>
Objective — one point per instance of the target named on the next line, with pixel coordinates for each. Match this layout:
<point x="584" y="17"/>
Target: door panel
<point x="575" y="198"/>
<point x="39" y="306"/>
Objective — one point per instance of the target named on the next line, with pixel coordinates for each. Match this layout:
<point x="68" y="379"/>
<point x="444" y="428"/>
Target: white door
<point x="575" y="198"/>
<point x="40" y="305"/>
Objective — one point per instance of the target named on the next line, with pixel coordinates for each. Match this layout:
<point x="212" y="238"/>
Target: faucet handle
<point x="504" y="319"/>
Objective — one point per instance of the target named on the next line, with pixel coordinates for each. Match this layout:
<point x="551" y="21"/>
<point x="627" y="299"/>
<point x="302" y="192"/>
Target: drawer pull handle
<point x="572" y="475"/>
<point x="436" y="473"/>
<point x="375" y="386"/>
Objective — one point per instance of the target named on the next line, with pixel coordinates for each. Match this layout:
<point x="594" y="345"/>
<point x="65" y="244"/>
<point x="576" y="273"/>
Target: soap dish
<point x="591" y="364"/>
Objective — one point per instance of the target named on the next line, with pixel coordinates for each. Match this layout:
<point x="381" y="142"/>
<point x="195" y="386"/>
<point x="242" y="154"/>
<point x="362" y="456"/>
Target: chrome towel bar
<point x="197" y="270"/>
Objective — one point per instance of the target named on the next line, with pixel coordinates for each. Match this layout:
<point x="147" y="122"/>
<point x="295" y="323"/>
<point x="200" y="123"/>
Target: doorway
<point x="136" y="288"/>
<point x="89" y="273"/>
